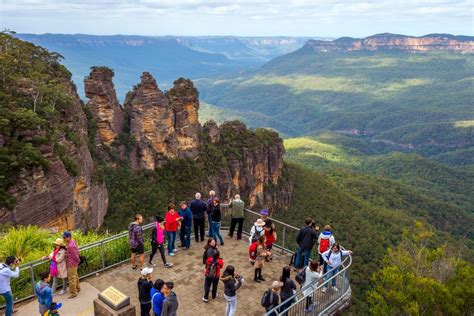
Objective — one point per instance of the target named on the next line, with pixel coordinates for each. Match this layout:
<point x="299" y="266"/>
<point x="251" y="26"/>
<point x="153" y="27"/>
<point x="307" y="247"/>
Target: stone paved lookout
<point x="108" y="265"/>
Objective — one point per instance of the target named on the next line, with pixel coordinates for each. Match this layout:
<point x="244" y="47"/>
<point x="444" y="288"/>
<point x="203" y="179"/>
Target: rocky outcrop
<point x="103" y="103"/>
<point x="54" y="197"/>
<point x="183" y="98"/>
<point x="152" y="124"/>
<point x="388" y="41"/>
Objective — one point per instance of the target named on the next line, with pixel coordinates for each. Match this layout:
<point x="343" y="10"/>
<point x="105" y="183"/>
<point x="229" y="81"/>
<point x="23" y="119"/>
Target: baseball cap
<point x="67" y="234"/>
<point x="146" y="271"/>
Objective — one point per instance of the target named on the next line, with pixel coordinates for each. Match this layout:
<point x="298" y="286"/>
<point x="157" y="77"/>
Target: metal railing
<point x="115" y="250"/>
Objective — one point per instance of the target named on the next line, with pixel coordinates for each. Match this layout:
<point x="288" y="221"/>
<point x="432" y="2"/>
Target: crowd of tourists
<point x="157" y="296"/>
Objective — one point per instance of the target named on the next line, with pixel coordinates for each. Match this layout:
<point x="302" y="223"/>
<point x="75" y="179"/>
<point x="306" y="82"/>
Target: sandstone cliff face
<point x="53" y="197"/>
<point x="103" y="103"/>
<point x="397" y="42"/>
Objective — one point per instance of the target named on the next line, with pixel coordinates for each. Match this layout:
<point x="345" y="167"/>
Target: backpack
<point x="301" y="276"/>
<point x="211" y="271"/>
<point x="253" y="251"/>
<point x="324" y="245"/>
<point x="257" y="234"/>
<point x="267" y="299"/>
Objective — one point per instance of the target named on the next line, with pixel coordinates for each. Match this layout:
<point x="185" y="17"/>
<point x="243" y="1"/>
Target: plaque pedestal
<point x="102" y="309"/>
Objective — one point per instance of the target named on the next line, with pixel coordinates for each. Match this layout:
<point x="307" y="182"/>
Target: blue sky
<point x="327" y="18"/>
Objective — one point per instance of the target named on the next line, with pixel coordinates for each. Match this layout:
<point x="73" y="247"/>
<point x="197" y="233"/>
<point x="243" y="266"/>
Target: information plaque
<point x="114" y="298"/>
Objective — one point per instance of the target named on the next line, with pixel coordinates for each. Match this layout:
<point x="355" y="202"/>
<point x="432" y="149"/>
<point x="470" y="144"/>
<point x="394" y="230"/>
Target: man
<point x="237" y="216"/>
<point x="186" y="224"/>
<point x="72" y="263"/>
<point x="135" y="237"/>
<point x="305" y="239"/>
<point x="8" y="270"/>
<point x="198" y="208"/>
<point x="43" y="292"/>
<point x="170" y="304"/>
<point x="209" y="208"/>
<point x="144" y="291"/>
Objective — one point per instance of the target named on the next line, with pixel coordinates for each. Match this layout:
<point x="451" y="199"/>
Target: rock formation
<point x="103" y="103"/>
<point x="152" y="123"/>
<point x="388" y="41"/>
<point x="183" y="98"/>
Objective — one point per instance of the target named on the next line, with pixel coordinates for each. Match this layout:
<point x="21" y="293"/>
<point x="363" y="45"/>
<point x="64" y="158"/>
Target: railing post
<point x="283" y="241"/>
<point x="101" y="249"/>
<point x="32" y="278"/>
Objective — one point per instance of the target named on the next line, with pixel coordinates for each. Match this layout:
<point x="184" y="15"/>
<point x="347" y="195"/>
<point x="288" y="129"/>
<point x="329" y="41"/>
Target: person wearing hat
<point x="186" y="225"/>
<point x="72" y="263"/>
<point x="271" y="297"/>
<point x="58" y="267"/>
<point x="257" y="230"/>
<point x="145" y="284"/>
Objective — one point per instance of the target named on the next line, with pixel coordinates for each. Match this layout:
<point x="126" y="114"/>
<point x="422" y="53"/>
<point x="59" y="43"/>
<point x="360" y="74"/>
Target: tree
<point x="419" y="279"/>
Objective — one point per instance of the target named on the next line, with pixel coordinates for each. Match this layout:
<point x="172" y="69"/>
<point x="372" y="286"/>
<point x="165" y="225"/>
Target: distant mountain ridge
<point x="388" y="41"/>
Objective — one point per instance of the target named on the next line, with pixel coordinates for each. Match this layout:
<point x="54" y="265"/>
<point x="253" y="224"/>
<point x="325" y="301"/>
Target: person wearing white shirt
<point x="257" y="230"/>
<point x="312" y="275"/>
<point x="333" y="259"/>
<point x="8" y="270"/>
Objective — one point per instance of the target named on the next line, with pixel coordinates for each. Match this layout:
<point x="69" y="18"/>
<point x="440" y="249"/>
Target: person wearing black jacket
<point x="271" y="298"/>
<point x="144" y="289"/>
<point x="232" y="282"/>
<point x="216" y="217"/>
<point x="305" y="239"/>
<point x="198" y="208"/>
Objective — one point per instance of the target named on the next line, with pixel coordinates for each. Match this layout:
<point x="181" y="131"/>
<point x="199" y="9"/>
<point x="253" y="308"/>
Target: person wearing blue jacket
<point x="157" y="297"/>
<point x="43" y="292"/>
<point x="186" y="224"/>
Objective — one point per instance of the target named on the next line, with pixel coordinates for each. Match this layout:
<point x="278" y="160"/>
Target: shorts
<point x="140" y="249"/>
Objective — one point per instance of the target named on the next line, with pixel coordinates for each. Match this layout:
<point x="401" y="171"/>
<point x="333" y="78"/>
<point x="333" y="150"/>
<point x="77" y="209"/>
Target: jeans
<point x="236" y="222"/>
<point x="306" y="254"/>
<point x="209" y="220"/>
<point x="217" y="232"/>
<point x="231" y="305"/>
<point x="55" y="284"/>
<point x="199" y="228"/>
<point x="331" y="271"/>
<point x="8" y="303"/>
<point x="73" y="278"/>
<point x="185" y="236"/>
<point x="207" y="287"/>
<point x="171" y="236"/>
<point x="154" y="249"/>
<point x="145" y="309"/>
<point x="285" y="306"/>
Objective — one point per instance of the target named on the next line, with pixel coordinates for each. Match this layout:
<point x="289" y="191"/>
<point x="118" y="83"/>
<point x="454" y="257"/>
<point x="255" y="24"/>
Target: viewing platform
<point x="109" y="265"/>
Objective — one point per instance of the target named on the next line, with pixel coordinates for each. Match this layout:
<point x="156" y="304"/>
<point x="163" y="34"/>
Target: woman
<point x="313" y="274"/>
<point x="287" y="290"/>
<point x="212" y="274"/>
<point x="157" y="241"/>
<point x="262" y="255"/>
<point x="172" y="221"/>
<point x="270" y="235"/>
<point x="216" y="221"/>
<point x="257" y="230"/>
<point x="333" y="259"/>
<point x="58" y="268"/>
<point x="209" y="250"/>
<point x="232" y="282"/>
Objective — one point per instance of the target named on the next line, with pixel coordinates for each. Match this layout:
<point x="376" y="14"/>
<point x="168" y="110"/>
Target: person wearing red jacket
<point x="214" y="265"/>
<point x="172" y="223"/>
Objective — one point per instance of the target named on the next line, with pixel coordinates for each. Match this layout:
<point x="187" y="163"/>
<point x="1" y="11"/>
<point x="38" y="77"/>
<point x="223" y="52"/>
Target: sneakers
<point x="171" y="254"/>
<point x="152" y="264"/>
<point x="335" y="289"/>
<point x="217" y="295"/>
<point x="62" y="292"/>
<point x="324" y="289"/>
<point x="205" y="299"/>
<point x="174" y="250"/>
<point x="168" y="265"/>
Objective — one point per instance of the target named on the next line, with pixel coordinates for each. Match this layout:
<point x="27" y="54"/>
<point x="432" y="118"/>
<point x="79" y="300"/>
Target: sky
<point x="324" y="18"/>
